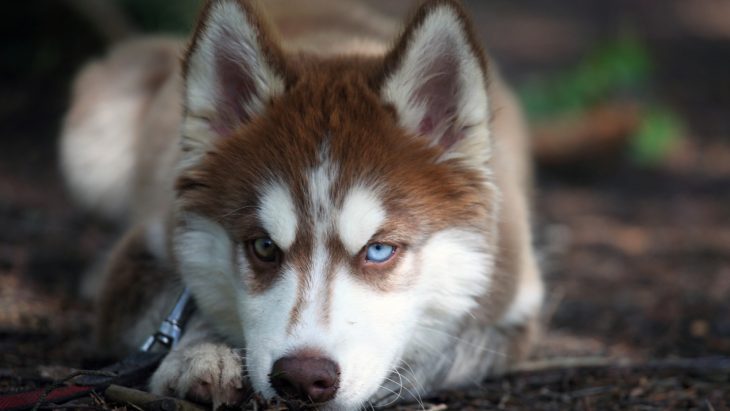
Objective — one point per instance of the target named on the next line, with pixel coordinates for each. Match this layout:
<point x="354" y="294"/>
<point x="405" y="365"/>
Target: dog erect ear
<point x="231" y="70"/>
<point x="435" y="77"/>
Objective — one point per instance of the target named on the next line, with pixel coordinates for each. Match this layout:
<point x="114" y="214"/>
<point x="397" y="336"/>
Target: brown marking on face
<point x="300" y="260"/>
<point x="296" y="311"/>
<point x="366" y="144"/>
<point x="304" y="270"/>
<point x="338" y="257"/>
<point x="336" y="101"/>
<point x="326" y="292"/>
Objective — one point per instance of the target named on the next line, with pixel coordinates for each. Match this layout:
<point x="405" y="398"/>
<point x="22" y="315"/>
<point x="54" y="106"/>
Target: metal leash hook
<point x="171" y="329"/>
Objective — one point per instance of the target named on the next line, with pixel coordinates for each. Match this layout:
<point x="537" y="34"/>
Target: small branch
<point x="146" y="400"/>
<point x="567" y="362"/>
<point x="703" y="365"/>
<point x="71" y="405"/>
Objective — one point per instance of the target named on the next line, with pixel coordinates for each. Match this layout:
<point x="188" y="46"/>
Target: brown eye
<point x="265" y="249"/>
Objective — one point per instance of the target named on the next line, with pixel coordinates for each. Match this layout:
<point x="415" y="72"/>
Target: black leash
<point x="133" y="368"/>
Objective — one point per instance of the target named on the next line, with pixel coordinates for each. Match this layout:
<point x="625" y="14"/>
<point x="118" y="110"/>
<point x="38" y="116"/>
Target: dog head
<point x="332" y="212"/>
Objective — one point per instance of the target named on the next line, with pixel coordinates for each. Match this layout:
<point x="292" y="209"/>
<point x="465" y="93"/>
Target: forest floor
<point x="637" y="259"/>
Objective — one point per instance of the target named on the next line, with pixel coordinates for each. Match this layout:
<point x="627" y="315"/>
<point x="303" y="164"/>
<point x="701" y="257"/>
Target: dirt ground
<point x="637" y="258"/>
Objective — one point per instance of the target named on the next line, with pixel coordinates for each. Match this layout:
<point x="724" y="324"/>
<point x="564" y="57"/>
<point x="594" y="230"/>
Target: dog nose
<point x="305" y="378"/>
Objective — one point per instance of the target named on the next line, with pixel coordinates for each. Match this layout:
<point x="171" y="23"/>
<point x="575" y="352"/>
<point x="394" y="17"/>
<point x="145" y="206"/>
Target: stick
<point x="148" y="401"/>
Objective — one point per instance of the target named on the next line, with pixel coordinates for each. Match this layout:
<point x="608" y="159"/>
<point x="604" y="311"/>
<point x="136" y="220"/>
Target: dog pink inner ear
<point x="439" y="94"/>
<point x="237" y="89"/>
<point x="436" y="79"/>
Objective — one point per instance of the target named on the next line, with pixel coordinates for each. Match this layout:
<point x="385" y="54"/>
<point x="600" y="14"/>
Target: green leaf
<point x="659" y="132"/>
<point x="614" y="69"/>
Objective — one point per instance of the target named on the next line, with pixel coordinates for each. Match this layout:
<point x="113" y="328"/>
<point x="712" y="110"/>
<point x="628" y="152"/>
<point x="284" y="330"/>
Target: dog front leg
<point x="201" y="368"/>
<point x="139" y="287"/>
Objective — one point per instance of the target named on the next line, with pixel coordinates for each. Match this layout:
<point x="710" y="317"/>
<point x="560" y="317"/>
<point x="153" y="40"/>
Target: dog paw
<point x="206" y="373"/>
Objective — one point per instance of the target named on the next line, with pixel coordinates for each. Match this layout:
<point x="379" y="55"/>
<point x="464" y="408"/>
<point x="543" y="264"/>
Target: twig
<point x="702" y="366"/>
<point x="70" y="405"/>
<point x="590" y="391"/>
<point x="567" y="362"/>
<point x="99" y="400"/>
<point x="145" y="400"/>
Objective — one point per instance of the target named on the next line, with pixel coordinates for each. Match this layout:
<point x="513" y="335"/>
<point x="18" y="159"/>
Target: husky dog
<point x="351" y="218"/>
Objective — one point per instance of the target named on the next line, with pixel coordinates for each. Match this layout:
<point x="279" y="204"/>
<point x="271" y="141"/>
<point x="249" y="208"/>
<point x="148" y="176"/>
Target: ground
<point x="637" y="258"/>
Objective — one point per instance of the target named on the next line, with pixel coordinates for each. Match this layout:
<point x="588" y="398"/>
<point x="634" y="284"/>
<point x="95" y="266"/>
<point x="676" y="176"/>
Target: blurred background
<point x="629" y="101"/>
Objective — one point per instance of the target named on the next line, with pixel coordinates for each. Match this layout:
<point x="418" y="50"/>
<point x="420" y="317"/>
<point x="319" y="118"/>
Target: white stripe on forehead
<point x="312" y="301"/>
<point x="320" y="180"/>
<point x="361" y="216"/>
<point x="278" y="215"/>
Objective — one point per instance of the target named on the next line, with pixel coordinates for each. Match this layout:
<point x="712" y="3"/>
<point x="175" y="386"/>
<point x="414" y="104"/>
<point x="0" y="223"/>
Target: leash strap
<point x="132" y="368"/>
<point x="27" y="400"/>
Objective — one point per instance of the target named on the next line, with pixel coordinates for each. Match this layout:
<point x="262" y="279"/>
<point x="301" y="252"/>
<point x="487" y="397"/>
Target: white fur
<point x="108" y="121"/>
<point x="440" y="33"/>
<point x="156" y="239"/>
<point x="229" y="27"/>
<point x="205" y="256"/>
<point x="278" y="215"/>
<point x="319" y="184"/>
<point x="267" y="328"/>
<point x="456" y="269"/>
<point x="361" y="216"/>
<point x="98" y="160"/>
<point x="368" y="329"/>
<point x="199" y="365"/>
<point x="364" y="342"/>
<point x="368" y="332"/>
<point x="530" y="294"/>
<point x="477" y="351"/>
<point x="456" y="266"/>
<point x="265" y="320"/>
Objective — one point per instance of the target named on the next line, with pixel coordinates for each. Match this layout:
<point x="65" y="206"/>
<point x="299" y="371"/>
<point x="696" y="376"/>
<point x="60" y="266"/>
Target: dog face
<point x="332" y="214"/>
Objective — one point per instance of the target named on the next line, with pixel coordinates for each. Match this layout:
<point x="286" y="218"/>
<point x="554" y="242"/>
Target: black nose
<point x="311" y="379"/>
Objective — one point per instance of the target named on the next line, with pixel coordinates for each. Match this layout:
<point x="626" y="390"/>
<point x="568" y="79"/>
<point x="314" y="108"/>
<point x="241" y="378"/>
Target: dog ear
<point x="231" y="71"/>
<point x="435" y="78"/>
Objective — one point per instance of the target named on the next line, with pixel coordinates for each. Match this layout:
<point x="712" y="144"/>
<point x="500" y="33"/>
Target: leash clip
<point x="171" y="329"/>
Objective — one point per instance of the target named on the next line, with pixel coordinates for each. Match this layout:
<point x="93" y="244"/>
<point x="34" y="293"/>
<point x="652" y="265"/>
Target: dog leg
<point x="201" y="369"/>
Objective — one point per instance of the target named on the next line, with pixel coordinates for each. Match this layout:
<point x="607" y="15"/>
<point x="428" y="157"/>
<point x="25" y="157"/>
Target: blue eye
<point x="379" y="252"/>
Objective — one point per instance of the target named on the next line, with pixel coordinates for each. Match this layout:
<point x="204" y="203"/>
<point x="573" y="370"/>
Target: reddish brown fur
<point x="337" y="100"/>
<point x="137" y="278"/>
<point x="363" y="139"/>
